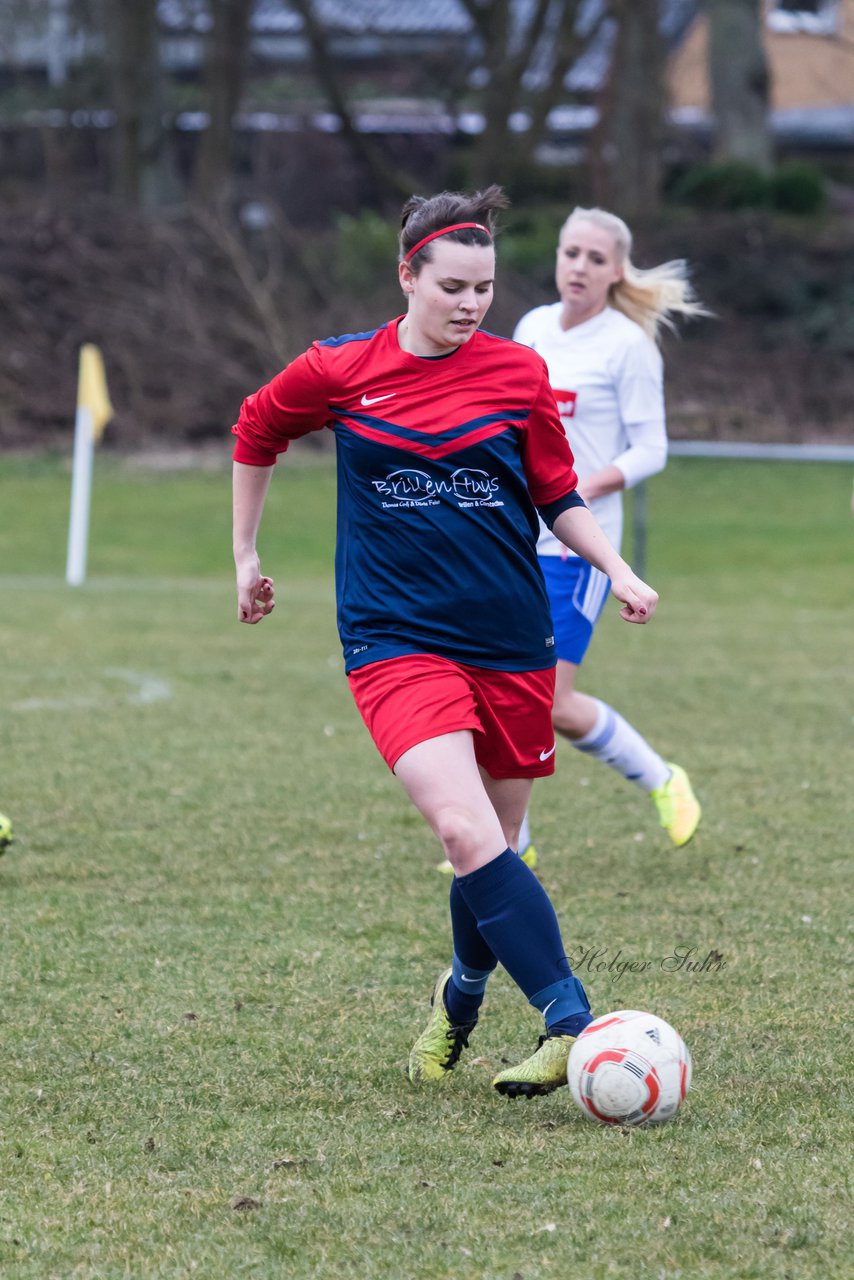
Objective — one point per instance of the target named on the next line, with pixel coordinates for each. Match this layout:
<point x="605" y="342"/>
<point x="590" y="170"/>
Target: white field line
<point x="144" y="690"/>
<point x="761" y="452"/>
<point x="286" y="589"/>
<point x="17" y="581"/>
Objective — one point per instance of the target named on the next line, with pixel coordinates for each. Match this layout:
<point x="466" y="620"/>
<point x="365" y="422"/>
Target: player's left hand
<point x="639" y="601"/>
<point x="255" y="594"/>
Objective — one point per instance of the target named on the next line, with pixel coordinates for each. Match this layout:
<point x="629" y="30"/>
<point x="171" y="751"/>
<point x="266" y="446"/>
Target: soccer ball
<point x="629" y="1068"/>
<point x="6" y="836"/>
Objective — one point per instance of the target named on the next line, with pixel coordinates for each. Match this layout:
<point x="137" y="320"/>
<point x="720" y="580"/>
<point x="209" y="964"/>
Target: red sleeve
<point x="546" y="455"/>
<point x="294" y="403"/>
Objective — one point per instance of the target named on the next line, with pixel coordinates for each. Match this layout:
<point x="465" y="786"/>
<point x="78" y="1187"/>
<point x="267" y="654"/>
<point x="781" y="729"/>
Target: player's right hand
<point x="638" y="599"/>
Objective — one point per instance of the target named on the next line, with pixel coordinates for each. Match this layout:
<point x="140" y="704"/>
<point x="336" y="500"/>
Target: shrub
<point x="794" y="187"/>
<point x="729" y="185"/>
<point x="798" y="188"/>
<point x="365" y="251"/>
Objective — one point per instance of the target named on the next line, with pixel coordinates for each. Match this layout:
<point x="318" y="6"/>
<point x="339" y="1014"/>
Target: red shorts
<point x="407" y="700"/>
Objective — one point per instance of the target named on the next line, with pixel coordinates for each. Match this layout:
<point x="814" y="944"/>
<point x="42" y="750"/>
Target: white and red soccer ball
<point x="629" y="1068"/>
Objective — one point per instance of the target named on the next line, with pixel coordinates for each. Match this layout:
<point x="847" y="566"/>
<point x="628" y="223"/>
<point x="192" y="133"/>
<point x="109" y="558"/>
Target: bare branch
<point x="568" y="47"/>
<point x="384" y="175"/>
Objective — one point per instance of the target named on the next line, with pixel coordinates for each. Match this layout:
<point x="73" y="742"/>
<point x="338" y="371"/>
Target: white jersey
<point x="608" y="380"/>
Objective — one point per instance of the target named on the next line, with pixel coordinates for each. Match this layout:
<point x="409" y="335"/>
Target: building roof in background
<point x="436" y="18"/>
<point x="346" y="17"/>
<point x="812" y="74"/>
<point x="400" y="17"/>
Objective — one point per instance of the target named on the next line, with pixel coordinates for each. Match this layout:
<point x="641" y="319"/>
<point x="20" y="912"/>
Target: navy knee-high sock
<point x="474" y="961"/>
<point x="516" y="919"/>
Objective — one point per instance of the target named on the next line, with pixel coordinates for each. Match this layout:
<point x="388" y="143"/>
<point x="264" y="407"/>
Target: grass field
<point x="220" y="923"/>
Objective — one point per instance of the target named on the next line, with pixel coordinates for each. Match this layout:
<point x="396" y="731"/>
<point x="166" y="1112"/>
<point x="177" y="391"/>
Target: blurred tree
<point x="225" y="68"/>
<point x="134" y="74"/>
<point x="740" y="82"/>
<point x="53" y="26"/>
<point x="386" y="179"/>
<point x="514" y="71"/>
<point x="524" y="55"/>
<point x="627" y="145"/>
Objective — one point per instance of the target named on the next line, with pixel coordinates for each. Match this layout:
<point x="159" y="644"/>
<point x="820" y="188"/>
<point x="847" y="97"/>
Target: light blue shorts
<point x="577" y="594"/>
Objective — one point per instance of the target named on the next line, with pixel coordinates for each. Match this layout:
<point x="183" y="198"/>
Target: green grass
<point x="220" y="922"/>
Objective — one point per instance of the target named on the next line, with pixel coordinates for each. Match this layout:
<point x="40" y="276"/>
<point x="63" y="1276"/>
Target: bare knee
<point x="469" y="839"/>
<point x="457" y="829"/>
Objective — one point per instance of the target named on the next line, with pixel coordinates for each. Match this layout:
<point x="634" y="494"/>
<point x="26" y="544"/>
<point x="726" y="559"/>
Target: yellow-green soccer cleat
<point x="438" y="1048"/>
<point x="6" y="836"/>
<point x="529" y="857"/>
<point x="678" y="808"/>
<point x="543" y="1072"/>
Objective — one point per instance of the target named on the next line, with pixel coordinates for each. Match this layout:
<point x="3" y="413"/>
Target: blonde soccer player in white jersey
<point x="599" y="343"/>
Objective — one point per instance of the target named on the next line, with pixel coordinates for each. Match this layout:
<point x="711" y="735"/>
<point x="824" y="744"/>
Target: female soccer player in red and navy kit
<point x="449" y="443"/>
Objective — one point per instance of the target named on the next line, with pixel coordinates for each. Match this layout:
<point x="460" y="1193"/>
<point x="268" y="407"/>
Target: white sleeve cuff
<point x="641" y="461"/>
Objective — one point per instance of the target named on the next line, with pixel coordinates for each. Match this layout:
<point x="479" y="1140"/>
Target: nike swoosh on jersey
<point x="366" y="400"/>
<point x="544" y="755"/>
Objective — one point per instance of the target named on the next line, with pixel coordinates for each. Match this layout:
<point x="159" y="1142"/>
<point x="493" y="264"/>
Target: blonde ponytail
<point x="654" y="299"/>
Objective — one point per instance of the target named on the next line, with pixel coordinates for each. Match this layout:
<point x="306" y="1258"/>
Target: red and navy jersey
<point x="441" y="464"/>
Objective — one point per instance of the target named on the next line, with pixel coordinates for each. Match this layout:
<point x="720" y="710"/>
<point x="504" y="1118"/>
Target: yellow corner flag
<point x="92" y="391"/>
<point x="93" y="413"/>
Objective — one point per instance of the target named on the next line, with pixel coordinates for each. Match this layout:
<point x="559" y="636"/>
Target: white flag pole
<point x="81" y="488"/>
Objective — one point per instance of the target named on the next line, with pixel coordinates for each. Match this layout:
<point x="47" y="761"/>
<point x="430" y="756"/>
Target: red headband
<point x="458" y="226"/>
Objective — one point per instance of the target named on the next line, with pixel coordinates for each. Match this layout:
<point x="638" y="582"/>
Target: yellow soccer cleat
<point x="6" y="836"/>
<point x="438" y="1048"/>
<point x="542" y="1073"/>
<point x="678" y="808"/>
<point x="529" y="857"/>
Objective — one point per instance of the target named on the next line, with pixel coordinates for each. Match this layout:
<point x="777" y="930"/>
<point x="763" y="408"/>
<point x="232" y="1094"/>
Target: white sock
<point x="524" y="834"/>
<point x="613" y="741"/>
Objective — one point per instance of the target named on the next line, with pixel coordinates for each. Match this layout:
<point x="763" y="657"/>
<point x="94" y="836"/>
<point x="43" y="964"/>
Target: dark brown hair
<point x="421" y="215"/>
